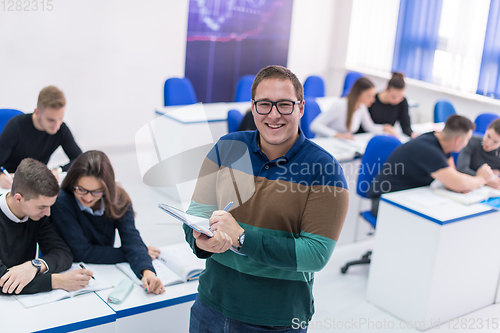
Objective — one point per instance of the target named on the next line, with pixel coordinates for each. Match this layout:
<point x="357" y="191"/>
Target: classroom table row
<point x="139" y="312"/>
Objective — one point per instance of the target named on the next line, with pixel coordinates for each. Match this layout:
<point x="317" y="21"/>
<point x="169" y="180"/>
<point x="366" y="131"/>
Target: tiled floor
<point x="339" y="299"/>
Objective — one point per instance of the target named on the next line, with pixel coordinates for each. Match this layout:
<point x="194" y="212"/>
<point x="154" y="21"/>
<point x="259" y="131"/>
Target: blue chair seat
<point x="370" y="218"/>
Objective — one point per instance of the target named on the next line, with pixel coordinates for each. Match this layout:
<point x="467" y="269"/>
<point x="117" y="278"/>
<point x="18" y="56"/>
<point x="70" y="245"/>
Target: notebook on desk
<point x="475" y="196"/>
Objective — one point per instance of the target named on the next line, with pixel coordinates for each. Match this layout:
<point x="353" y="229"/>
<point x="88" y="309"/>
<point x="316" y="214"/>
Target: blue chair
<point x="243" y="91"/>
<point x="314" y="87"/>
<point x="6" y="114"/>
<point x="234" y="118"/>
<point x="311" y="111"/>
<point x="483" y="121"/>
<point x="350" y="78"/>
<point x="377" y="151"/>
<point x="179" y="92"/>
<point x="442" y="110"/>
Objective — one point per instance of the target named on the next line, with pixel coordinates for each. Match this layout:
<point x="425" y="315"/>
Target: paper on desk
<point x="428" y="200"/>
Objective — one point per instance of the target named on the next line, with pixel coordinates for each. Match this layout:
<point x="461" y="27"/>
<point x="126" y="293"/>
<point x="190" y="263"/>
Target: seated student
<point x="348" y="113"/>
<point x="480" y="151"/>
<point x="24" y="222"/>
<point x="90" y="207"/>
<point x="418" y="162"/>
<point x="37" y="135"/>
<point x="391" y="105"/>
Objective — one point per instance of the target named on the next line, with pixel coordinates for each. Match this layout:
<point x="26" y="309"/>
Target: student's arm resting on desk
<point x="461" y="182"/>
<point x="329" y="123"/>
<point x="67" y="217"/>
<point x="69" y="146"/>
<point x="404" y="118"/>
<point x="9" y="138"/>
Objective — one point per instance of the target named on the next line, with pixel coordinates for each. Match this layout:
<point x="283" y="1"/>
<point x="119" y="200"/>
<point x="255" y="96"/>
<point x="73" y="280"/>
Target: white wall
<point x="110" y="58"/>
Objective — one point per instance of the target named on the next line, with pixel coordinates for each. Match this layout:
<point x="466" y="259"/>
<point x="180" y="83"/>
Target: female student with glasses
<point x="88" y="210"/>
<point x="347" y="114"/>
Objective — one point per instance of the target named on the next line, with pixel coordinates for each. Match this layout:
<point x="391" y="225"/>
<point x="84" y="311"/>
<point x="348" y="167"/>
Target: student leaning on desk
<point x="90" y="207"/>
<point x="347" y="114"/>
<point x="480" y="151"/>
<point x="24" y="222"/>
<point x="37" y="135"/>
<point x="418" y="162"/>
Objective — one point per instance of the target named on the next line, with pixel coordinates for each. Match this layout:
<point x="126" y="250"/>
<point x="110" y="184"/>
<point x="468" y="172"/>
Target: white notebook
<point x="95" y="284"/>
<point x="472" y="197"/>
<point x="176" y="264"/>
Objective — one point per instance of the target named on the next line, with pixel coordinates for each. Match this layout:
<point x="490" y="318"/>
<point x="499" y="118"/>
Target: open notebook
<point x="95" y="284"/>
<point x="176" y="264"/>
<point x="472" y="197"/>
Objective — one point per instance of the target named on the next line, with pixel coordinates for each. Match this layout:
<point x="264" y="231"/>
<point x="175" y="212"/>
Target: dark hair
<point x="280" y="73"/>
<point x="495" y="125"/>
<point x="457" y="125"/>
<point x="95" y="163"/>
<point x="33" y="179"/>
<point x="357" y="89"/>
<point x="397" y="81"/>
<point x="51" y="97"/>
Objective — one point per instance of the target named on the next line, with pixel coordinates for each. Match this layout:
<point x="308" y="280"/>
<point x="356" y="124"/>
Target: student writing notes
<point x="90" y="207"/>
<point x="286" y="225"/>
<point x="480" y="151"/>
<point x="391" y="105"/>
<point x="348" y="113"/>
<point x="37" y="135"/>
<point x="24" y="222"/>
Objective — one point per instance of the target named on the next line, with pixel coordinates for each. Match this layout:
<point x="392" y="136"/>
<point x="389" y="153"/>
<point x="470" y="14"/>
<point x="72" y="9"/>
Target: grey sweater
<point x="473" y="156"/>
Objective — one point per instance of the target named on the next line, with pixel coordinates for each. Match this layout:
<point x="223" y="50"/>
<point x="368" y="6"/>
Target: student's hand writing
<point x="225" y="222"/>
<point x="494" y="182"/>
<point x="346" y="136"/>
<point x="414" y="135"/>
<point x="5" y="181"/>
<point x="154" y="252"/>
<point x="496" y="172"/>
<point x="219" y="243"/>
<point x="390" y="130"/>
<point x="152" y="284"/>
<point x="17" y="277"/>
<point x="72" y="280"/>
<point x="485" y="172"/>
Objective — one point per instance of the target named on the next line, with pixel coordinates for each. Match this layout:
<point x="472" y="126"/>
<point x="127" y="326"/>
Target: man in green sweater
<point x="24" y="222"/>
<point x="290" y="200"/>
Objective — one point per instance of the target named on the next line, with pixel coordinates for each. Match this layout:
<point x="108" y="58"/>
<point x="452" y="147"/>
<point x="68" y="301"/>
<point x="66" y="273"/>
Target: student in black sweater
<point x="391" y="105"/>
<point x="479" y="151"/>
<point x="90" y="207"/>
<point x="24" y="222"/>
<point x="37" y="135"/>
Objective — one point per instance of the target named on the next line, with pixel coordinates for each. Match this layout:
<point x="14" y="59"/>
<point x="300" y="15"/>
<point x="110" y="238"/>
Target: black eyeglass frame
<point x="275" y="104"/>
<point x="80" y="190"/>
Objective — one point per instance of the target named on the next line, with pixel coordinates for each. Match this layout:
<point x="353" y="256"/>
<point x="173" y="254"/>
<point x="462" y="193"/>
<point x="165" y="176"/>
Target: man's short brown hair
<point x="51" y="97"/>
<point x="33" y="179"/>
<point x="457" y="125"/>
<point x="280" y="73"/>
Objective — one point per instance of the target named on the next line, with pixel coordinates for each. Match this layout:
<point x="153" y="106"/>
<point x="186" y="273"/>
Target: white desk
<point x="141" y="312"/>
<point x="86" y="312"/>
<point x="434" y="259"/>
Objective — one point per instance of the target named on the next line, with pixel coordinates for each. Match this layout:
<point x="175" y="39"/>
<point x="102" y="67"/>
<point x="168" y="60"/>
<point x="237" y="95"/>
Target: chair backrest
<point x="350" y="78"/>
<point x="377" y="151"/>
<point x="6" y="114"/>
<point x="442" y="110"/>
<point x="483" y="121"/>
<point x="311" y="111"/>
<point x="234" y="118"/>
<point x="179" y="91"/>
<point x="243" y="91"/>
<point x="314" y="87"/>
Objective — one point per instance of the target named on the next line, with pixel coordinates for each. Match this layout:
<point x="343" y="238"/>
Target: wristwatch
<point x="38" y="264"/>
<point x="241" y="239"/>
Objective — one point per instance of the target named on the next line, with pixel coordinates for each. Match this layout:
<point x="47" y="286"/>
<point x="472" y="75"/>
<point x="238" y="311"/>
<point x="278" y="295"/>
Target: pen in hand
<point x="228" y="206"/>
<point x="6" y="172"/>
<point x="81" y="265"/>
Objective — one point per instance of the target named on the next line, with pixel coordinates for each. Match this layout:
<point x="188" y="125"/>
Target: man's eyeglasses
<point x="81" y="191"/>
<point x="284" y="107"/>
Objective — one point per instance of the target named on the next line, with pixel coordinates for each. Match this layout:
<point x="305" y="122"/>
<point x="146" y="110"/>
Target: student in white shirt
<point x="348" y="113"/>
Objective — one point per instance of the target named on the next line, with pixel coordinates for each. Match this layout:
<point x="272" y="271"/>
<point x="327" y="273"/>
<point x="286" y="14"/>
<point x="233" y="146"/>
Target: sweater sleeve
<point x="134" y="249"/>
<point x="55" y="252"/>
<point x="9" y="138"/>
<point x="69" y="146"/>
<point x="40" y="283"/>
<point x="465" y="157"/>
<point x="329" y="123"/>
<point x="68" y="221"/>
<point x="404" y="118"/>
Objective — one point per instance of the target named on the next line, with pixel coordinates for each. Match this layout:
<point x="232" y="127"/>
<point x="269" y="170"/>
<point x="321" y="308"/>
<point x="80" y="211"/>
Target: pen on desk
<point x="5" y="172"/>
<point x="81" y="265"/>
<point x="228" y="206"/>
